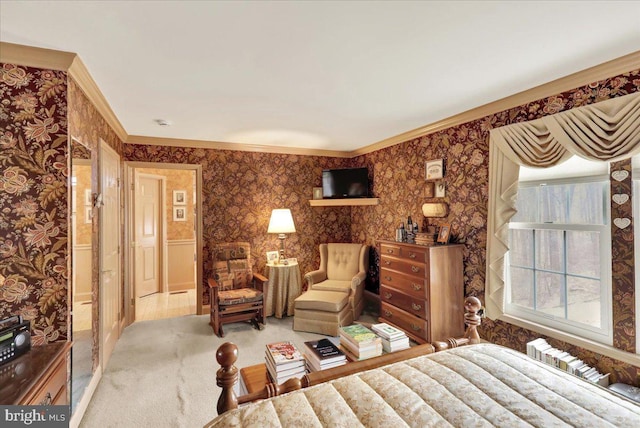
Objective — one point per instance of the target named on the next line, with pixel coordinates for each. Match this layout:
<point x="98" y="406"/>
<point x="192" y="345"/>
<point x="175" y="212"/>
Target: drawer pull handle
<point x="387" y="262"/>
<point x="388" y="295"/>
<point x="47" y="400"/>
<point x="388" y="278"/>
<point x="416" y="287"/>
<point x="416" y="307"/>
<point x="415" y="269"/>
<point x="415" y="327"/>
<point x="389" y="251"/>
<point x="412" y="255"/>
<point x="387" y="313"/>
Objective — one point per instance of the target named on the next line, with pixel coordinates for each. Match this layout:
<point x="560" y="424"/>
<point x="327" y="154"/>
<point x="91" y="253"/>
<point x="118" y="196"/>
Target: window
<point x="558" y="268"/>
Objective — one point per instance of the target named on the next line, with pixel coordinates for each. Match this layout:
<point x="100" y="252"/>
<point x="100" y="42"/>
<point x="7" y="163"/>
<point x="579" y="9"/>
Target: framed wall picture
<point x="179" y="197"/>
<point x="179" y="214"/>
<point x="87" y="198"/>
<point x="88" y="214"/>
<point x="434" y="169"/>
<point x="440" y="193"/>
<point x="272" y="256"/>
<point x="445" y="232"/>
<point x="317" y="193"/>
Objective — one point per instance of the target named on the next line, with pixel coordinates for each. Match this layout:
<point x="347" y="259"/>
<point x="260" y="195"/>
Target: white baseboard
<point x="86" y="399"/>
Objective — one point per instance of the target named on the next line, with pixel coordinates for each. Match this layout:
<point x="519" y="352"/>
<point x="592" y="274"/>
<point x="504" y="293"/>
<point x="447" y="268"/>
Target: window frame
<point x="604" y="334"/>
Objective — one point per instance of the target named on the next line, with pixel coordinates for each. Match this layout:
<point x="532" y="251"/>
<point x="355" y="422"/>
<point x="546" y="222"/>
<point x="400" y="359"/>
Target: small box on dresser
<point x="422" y="289"/>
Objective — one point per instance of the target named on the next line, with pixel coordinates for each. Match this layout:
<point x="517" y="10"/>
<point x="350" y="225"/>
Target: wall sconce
<point x="434" y="210"/>
<point x="281" y="222"/>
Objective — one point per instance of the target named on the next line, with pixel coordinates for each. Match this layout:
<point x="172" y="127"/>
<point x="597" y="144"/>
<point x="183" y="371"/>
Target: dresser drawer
<point x="390" y="250"/>
<point x="410" y="253"/>
<point x="413" y="325"/>
<point x="409" y="267"/>
<point x="410" y="304"/>
<point x="414" y="286"/>
<point x="53" y="390"/>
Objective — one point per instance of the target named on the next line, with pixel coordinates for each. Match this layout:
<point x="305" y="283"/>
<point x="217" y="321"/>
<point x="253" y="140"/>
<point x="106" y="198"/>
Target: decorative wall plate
<point x="622" y="223"/>
<point x="620" y="198"/>
<point x="620" y="175"/>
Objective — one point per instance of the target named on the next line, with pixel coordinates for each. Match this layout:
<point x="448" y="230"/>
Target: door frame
<point x="162" y="242"/>
<point x="129" y="295"/>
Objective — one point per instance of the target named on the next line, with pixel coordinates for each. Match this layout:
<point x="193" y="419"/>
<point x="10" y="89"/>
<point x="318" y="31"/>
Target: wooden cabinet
<point x="39" y="377"/>
<point x="422" y="289"/>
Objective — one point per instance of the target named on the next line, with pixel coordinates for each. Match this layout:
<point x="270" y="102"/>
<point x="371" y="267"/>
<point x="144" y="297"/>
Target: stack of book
<point x="359" y="343"/>
<point x="284" y="361"/>
<point x="323" y="354"/>
<point x="392" y="339"/>
<point x="426" y="238"/>
<point x="540" y="350"/>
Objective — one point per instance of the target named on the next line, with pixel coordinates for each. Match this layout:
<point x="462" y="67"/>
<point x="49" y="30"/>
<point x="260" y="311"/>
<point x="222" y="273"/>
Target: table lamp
<point x="281" y="222"/>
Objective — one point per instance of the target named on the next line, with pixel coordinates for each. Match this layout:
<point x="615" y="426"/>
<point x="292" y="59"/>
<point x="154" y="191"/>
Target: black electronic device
<point x="15" y="338"/>
<point x="345" y="183"/>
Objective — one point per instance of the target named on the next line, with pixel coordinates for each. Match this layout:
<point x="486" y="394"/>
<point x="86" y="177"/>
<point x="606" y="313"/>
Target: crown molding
<point x="78" y="71"/>
<point x="71" y="62"/>
<point x="238" y="147"/>
<point x="30" y="56"/>
<point x="50" y="59"/>
<point x="602" y="71"/>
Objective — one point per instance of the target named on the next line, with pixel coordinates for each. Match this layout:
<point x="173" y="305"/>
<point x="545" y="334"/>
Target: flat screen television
<point x="345" y="183"/>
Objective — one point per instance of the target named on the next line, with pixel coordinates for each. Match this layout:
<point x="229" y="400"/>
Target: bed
<point x="480" y="384"/>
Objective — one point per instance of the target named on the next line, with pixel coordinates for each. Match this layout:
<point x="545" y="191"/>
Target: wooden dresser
<point x="38" y="377"/>
<point x="422" y="289"/>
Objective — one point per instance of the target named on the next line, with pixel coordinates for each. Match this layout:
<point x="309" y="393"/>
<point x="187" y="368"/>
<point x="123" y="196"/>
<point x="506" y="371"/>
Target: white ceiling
<point x="320" y="75"/>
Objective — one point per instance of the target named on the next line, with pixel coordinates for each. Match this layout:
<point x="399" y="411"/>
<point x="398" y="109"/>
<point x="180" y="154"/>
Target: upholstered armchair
<point x="236" y="292"/>
<point x="335" y="294"/>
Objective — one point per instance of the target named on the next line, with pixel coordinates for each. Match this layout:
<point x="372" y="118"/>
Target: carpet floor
<point x="162" y="372"/>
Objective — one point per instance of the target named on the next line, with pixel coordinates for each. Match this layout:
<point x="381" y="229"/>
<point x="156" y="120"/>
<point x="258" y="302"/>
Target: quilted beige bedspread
<point x="475" y="386"/>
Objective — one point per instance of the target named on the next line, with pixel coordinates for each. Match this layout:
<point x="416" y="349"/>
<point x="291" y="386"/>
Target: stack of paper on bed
<point x="323" y="354"/>
<point x="284" y="361"/>
<point x="359" y="343"/>
<point x="392" y="339"/>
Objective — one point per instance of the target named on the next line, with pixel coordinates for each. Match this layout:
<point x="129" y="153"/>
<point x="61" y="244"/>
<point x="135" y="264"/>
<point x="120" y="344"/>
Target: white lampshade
<point x="434" y="210"/>
<point x="281" y="221"/>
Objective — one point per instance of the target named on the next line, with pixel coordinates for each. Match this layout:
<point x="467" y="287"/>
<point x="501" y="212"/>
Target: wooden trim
<point x="31" y="56"/>
<point x="81" y="76"/>
<point x="602" y="71"/>
<point x="343" y="202"/>
<point x="71" y="62"/>
<point x="239" y="147"/>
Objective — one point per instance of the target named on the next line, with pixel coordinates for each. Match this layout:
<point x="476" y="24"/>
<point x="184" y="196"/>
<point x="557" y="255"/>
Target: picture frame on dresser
<point x="444" y="234"/>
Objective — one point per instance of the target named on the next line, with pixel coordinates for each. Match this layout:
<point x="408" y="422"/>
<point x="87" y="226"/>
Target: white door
<point x="110" y="235"/>
<point x="147" y="230"/>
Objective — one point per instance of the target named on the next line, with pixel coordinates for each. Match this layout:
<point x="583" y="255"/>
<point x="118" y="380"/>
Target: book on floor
<point x="394" y="345"/>
<point x="323" y="351"/>
<point x="315" y="366"/>
<point x="387" y="331"/>
<point x="284" y="354"/>
<point x="358" y="335"/>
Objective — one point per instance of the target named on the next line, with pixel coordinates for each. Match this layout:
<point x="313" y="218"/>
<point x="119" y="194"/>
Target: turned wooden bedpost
<point x="472" y="320"/>
<point x="226" y="376"/>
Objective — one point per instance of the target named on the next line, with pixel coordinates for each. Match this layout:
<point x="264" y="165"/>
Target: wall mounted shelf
<point x="343" y="202"/>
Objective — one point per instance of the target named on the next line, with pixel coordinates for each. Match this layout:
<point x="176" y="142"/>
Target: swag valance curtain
<point x="606" y="131"/>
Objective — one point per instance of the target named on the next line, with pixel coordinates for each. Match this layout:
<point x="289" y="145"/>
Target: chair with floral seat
<point x="236" y="292"/>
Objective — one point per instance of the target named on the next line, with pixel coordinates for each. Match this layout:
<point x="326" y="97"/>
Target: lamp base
<point x="282" y="260"/>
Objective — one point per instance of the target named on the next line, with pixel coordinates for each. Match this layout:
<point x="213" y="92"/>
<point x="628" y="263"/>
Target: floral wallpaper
<point x="241" y="188"/>
<point x="398" y="180"/>
<point x="34" y="250"/>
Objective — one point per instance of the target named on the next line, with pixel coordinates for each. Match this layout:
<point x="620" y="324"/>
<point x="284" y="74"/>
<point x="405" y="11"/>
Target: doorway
<point x="178" y="289"/>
